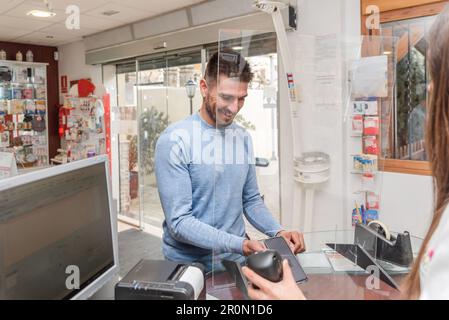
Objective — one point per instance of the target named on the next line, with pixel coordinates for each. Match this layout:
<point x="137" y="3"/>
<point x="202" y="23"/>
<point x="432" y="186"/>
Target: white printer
<point x="162" y="280"/>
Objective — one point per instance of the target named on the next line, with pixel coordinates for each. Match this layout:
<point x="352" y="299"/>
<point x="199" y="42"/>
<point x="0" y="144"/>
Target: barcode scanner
<point x="267" y="264"/>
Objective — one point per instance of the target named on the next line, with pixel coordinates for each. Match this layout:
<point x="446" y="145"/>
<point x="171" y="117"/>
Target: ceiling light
<point x="237" y="48"/>
<point x="41" y="13"/>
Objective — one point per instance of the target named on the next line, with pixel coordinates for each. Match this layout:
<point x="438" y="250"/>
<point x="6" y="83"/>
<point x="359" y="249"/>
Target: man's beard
<point x="212" y="112"/>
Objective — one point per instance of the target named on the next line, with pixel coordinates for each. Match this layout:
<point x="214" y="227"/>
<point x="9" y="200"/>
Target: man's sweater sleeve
<point x="175" y="191"/>
<point x="255" y="209"/>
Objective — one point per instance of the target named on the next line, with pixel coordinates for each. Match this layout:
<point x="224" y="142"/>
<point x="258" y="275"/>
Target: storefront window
<point x="406" y="136"/>
<point x="151" y="96"/>
<point x="162" y="100"/>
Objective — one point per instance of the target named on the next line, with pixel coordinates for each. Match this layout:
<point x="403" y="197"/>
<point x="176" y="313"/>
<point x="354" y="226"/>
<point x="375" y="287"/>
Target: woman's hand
<point x="286" y="289"/>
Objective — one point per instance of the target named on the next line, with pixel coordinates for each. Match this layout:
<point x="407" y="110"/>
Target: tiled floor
<point x="134" y="245"/>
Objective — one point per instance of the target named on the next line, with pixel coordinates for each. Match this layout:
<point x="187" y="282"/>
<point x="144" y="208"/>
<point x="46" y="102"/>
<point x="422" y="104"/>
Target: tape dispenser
<point x="396" y="249"/>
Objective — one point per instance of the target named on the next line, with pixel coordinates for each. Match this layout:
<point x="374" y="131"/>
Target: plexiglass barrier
<point x="327" y="173"/>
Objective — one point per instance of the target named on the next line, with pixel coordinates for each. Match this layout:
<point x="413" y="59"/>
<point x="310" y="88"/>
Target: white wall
<point x="72" y="64"/>
<point x="406" y="200"/>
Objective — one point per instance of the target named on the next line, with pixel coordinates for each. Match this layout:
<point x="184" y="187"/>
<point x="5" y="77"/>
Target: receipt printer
<point x="162" y="280"/>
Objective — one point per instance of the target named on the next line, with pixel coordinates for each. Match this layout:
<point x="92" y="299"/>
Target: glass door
<point x="152" y="121"/>
<point x="124" y="131"/>
<point x="162" y="99"/>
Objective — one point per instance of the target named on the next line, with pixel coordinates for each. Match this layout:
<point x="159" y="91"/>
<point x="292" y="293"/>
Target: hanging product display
<point x="366" y="126"/>
<point x="81" y="128"/>
<point x="357" y="126"/>
<point x="371" y="126"/>
<point x="370" y="145"/>
<point x="368" y="78"/>
<point x="23" y="113"/>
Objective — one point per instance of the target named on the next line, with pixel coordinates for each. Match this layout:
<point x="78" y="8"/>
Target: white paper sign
<point x="8" y="166"/>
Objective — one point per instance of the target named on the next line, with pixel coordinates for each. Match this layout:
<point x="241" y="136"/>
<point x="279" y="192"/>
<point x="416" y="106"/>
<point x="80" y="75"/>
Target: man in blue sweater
<point x="207" y="178"/>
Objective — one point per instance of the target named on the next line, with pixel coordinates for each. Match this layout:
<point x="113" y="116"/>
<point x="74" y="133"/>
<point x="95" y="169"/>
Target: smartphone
<point x="280" y="245"/>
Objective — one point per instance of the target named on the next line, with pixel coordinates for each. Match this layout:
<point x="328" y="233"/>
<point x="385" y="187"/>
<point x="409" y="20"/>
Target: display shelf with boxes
<point x="371" y="95"/>
<point x="81" y="128"/>
<point x="365" y="127"/>
<point x="23" y="112"/>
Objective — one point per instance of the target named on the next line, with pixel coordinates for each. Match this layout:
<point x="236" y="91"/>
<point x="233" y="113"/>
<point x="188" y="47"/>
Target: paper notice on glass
<point x="326" y="64"/>
<point x="8" y="166"/>
<point x="369" y="77"/>
<point x="326" y="55"/>
<point x="326" y="91"/>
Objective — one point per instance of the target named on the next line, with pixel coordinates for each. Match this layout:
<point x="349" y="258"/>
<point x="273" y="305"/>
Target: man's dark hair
<point x="230" y="64"/>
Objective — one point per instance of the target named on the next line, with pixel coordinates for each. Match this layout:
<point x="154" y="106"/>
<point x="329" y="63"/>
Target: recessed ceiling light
<point x="41" y="13"/>
<point x="110" y="12"/>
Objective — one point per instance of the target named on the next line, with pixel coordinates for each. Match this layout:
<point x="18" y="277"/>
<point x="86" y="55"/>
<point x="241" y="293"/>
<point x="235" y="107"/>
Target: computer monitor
<point x="56" y="224"/>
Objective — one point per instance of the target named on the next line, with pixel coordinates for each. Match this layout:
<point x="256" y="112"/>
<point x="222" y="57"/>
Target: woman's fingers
<point x="255" y="279"/>
<point x="256" y="294"/>
<point x="287" y="271"/>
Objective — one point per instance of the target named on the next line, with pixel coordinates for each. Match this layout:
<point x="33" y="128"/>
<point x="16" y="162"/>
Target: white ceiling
<point x="16" y="26"/>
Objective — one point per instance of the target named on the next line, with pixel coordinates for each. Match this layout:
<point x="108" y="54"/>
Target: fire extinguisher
<point x="63" y="113"/>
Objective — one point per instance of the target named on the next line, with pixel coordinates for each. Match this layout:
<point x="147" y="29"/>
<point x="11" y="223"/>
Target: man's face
<point x="223" y="100"/>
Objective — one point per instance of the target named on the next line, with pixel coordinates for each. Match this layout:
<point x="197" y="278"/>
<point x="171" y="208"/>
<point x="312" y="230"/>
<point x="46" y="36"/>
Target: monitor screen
<point x="52" y="229"/>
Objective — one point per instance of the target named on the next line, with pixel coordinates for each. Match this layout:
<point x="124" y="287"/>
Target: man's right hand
<point x="252" y="246"/>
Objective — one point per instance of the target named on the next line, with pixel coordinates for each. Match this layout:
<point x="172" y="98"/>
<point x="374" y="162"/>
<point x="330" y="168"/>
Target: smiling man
<point x="207" y="178"/>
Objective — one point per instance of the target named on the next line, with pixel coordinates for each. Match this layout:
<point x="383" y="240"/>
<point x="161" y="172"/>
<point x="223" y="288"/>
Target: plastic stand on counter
<point x="371" y="249"/>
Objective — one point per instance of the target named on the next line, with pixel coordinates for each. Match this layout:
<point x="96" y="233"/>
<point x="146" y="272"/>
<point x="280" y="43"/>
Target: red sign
<point x="107" y="123"/>
<point x="64" y="85"/>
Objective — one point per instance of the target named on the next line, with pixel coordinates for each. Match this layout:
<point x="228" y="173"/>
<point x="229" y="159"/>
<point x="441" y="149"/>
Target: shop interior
<point x="88" y="87"/>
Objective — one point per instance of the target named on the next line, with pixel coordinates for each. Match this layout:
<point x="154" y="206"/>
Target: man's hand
<point x="286" y="289"/>
<point x="252" y="246"/>
<point x="294" y="239"/>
